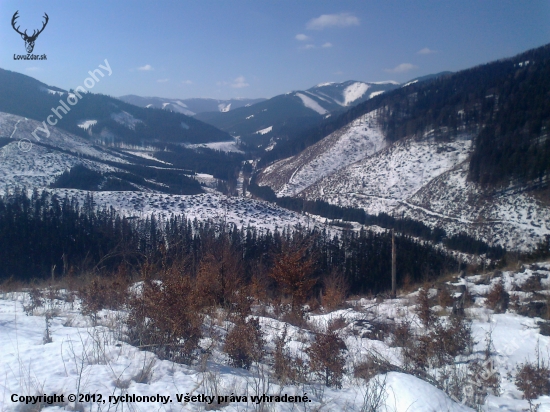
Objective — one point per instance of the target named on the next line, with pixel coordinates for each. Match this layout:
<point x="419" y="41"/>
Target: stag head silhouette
<point x="29" y="40"/>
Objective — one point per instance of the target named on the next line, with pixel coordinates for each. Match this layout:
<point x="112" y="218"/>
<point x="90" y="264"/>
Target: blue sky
<point x="224" y="49"/>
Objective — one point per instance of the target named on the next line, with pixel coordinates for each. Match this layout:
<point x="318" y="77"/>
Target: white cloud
<point x="187" y="82"/>
<point x="302" y="37"/>
<point x="339" y="72"/>
<point x="162" y="80"/>
<point x="327" y="44"/>
<point x="426" y="50"/>
<point x="239" y="83"/>
<point x="332" y="20"/>
<point x="146" y="68"/>
<point x="307" y="47"/>
<point x="402" y="68"/>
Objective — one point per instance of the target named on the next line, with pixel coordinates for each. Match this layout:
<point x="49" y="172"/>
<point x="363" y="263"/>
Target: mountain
<point x="263" y="123"/>
<point x="465" y="152"/>
<point x="428" y="77"/>
<point x="189" y="107"/>
<point x="98" y="116"/>
<point x="132" y="180"/>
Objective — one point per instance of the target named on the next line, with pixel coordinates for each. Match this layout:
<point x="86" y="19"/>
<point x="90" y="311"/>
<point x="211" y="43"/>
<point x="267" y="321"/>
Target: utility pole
<point x="393" y="258"/>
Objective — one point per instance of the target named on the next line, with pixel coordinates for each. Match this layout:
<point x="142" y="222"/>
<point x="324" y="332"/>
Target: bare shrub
<point x="439" y="345"/>
<point x="245" y="344"/>
<point x="497" y="298"/>
<point x="401" y="334"/>
<point x="103" y="293"/>
<point x="326" y="358"/>
<point x="445" y="299"/>
<point x="292" y="272"/>
<point x="423" y="309"/>
<point x="532" y="284"/>
<point x="282" y="361"/>
<point x="166" y="318"/>
<point x="374" y="395"/>
<point x="533" y="378"/>
<point x="334" y="291"/>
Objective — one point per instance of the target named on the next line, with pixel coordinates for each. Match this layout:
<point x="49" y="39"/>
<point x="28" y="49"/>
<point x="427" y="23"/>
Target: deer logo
<point x="29" y="40"/>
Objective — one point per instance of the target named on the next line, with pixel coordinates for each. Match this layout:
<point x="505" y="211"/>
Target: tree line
<point x="407" y="226"/>
<point x="44" y="235"/>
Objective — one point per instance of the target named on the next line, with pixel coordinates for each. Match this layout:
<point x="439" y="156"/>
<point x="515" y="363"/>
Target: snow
<point x="374" y="94"/>
<point x="41" y="165"/>
<point x="512" y="220"/>
<point x="224" y="107"/>
<point x="324" y="84"/>
<point x="249" y="117"/>
<point x="125" y="119"/>
<point x="229" y="146"/>
<point x="86" y="124"/>
<point x="359" y="139"/>
<point x="311" y="104"/>
<point x="93" y="359"/>
<point x="50" y="91"/>
<point x="213" y="205"/>
<point x="265" y="131"/>
<point x="146" y="155"/>
<point x="377" y="183"/>
<point x="409" y="83"/>
<point x="353" y="92"/>
<point x="408" y="393"/>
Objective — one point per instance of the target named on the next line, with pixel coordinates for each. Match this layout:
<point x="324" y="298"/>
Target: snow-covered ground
<point x="237" y="210"/>
<point x="377" y="183"/>
<point x="79" y="358"/>
<point x="424" y="178"/>
<point x="311" y="104"/>
<point x="359" y="139"/>
<point x="230" y="146"/>
<point x="125" y="119"/>
<point x="512" y="220"/>
<point x="265" y="131"/>
<point x="353" y="92"/>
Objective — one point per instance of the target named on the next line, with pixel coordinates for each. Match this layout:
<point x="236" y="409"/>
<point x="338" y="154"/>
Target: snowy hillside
<point x="39" y="164"/>
<point x="189" y="107"/>
<point x="421" y="178"/>
<point x="377" y="183"/>
<point x="239" y="211"/>
<point x="354" y="142"/>
<point x="512" y="220"/>
<point x="50" y="347"/>
<point x="24" y="163"/>
<point x="349" y="93"/>
<point x="294" y="109"/>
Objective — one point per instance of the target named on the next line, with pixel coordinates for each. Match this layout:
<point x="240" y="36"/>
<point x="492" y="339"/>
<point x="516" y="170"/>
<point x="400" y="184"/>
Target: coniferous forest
<point x="44" y="235"/>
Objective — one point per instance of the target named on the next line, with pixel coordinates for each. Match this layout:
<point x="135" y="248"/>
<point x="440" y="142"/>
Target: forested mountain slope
<point x="466" y="152"/>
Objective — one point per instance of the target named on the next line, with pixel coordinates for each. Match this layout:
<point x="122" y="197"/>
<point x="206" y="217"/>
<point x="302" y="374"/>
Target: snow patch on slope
<point x="359" y="139"/>
<point x="311" y="104"/>
<point x="86" y="124"/>
<point x="125" y="119"/>
<point x="265" y="131"/>
<point x="224" y="108"/>
<point x="353" y="92"/>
